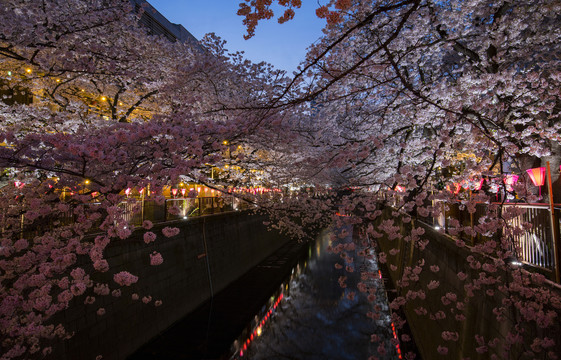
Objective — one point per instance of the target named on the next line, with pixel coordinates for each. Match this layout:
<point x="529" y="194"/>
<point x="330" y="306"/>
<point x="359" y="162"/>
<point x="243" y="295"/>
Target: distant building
<point x="151" y="18"/>
<point x="157" y="24"/>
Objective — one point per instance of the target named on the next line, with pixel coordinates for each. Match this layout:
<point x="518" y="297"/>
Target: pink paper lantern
<point x="537" y="175"/>
<point x="510" y="180"/>
<point x="479" y="185"/>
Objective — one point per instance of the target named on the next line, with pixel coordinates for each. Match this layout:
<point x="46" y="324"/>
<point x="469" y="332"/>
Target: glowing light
<point x="259" y="331"/>
<point x="397" y="348"/>
<point x="9" y="73"/>
<point x="174" y="192"/>
<point x="87" y="181"/>
<point x="474" y="184"/>
<point x="225" y="142"/>
<point x="57" y="80"/>
<point x="28" y="70"/>
<point x="183" y="192"/>
<point x="537" y="175"/>
<point x="128" y="191"/>
<point x="103" y="98"/>
<point x="510" y="180"/>
<point x="454" y="188"/>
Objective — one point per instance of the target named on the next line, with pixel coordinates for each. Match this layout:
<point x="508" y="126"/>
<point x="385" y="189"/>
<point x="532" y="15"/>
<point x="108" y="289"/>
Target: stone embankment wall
<point x="208" y="254"/>
<point x="479" y="313"/>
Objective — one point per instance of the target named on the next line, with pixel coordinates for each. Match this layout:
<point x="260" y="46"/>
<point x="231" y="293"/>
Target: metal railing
<point x="136" y="210"/>
<point x="533" y="243"/>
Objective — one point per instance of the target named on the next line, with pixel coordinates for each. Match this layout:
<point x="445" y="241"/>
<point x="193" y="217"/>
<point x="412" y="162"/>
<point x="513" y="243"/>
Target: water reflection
<point x="312" y="316"/>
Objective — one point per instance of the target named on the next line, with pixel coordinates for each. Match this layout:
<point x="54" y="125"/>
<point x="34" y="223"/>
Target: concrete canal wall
<point x="479" y="313"/>
<point x="209" y="253"/>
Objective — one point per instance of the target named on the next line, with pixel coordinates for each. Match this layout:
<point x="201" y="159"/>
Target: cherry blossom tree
<point x="112" y="108"/>
<point x="408" y="98"/>
<point x="396" y="99"/>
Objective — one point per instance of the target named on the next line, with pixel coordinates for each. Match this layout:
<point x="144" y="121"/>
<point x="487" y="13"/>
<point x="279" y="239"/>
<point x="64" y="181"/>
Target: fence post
<point x="142" y="208"/>
<point x="472" y="238"/>
<point x="554" y="227"/>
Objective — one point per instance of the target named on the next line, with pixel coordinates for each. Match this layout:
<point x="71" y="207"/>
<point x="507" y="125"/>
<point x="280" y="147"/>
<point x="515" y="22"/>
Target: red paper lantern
<point x="537" y="175"/>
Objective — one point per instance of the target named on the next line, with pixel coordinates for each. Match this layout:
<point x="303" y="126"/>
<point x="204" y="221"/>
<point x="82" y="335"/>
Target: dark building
<point x="157" y="24"/>
<point x="151" y="18"/>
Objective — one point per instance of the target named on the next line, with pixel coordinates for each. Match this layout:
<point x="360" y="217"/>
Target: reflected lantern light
<point x="537" y="175"/>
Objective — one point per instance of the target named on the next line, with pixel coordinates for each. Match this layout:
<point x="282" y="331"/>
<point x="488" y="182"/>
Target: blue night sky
<point x="284" y="45"/>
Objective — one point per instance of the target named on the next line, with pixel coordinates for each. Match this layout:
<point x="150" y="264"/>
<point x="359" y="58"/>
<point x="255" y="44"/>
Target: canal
<point x="300" y="303"/>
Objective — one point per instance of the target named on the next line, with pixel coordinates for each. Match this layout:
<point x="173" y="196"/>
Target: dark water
<point x="279" y="313"/>
<point x="312" y="317"/>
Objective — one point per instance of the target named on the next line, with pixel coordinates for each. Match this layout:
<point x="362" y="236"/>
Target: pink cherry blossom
<point x="124" y="278"/>
<point x="156" y="258"/>
<point x="149" y="237"/>
<point x="170" y="231"/>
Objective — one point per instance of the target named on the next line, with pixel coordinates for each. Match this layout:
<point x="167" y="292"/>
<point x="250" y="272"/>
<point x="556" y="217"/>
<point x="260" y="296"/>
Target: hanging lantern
<point x="174" y="192"/>
<point x="477" y="184"/>
<point x="454" y="188"/>
<point x="183" y="192"/>
<point x="537" y="175"/>
<point x="128" y="191"/>
<point x="510" y="180"/>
